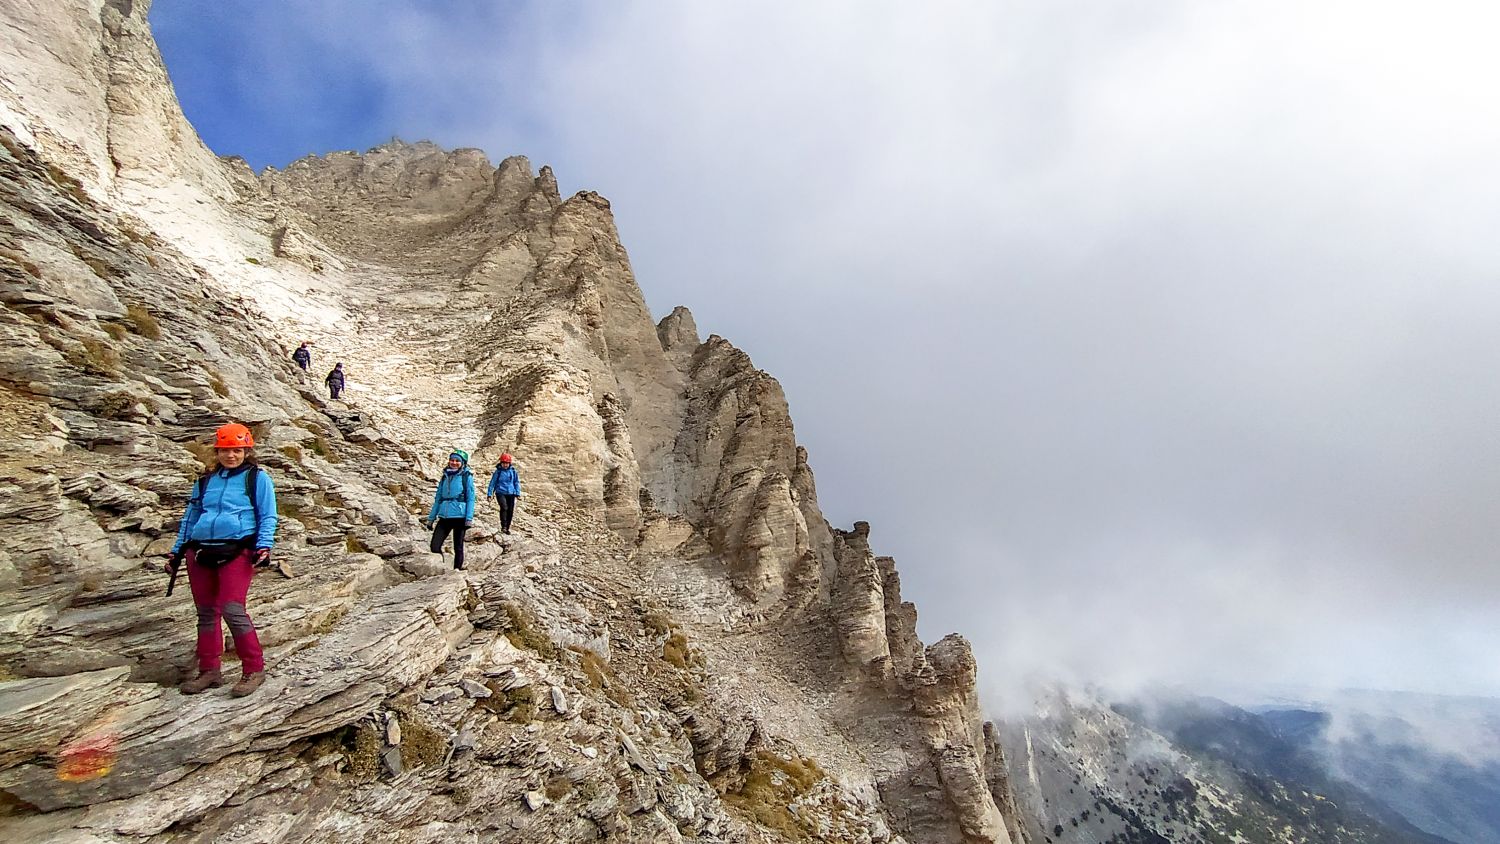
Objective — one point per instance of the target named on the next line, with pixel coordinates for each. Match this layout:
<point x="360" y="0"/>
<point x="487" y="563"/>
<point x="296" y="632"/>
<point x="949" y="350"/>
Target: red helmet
<point x="233" y="435"/>
<point x="505" y="458"/>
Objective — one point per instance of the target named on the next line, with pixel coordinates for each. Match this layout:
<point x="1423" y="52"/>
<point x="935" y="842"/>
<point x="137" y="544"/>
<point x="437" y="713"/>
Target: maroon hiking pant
<point x="220" y="593"/>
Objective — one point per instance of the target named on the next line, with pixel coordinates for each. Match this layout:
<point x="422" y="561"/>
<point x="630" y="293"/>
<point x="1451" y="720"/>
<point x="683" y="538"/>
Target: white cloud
<point x="1170" y="324"/>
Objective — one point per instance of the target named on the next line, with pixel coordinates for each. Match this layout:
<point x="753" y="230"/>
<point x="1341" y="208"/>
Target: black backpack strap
<point x="250" y="485"/>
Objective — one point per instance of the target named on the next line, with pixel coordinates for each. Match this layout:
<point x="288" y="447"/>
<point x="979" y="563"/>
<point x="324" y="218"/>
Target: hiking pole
<point x="172" y="581"/>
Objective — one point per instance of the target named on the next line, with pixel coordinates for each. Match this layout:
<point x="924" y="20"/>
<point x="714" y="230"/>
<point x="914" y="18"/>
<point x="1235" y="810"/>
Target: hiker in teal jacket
<point x="453" y="506"/>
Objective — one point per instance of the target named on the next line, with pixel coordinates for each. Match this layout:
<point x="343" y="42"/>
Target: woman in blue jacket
<point x="506" y="484"/>
<point x="453" y="506"/>
<point x="225" y="535"/>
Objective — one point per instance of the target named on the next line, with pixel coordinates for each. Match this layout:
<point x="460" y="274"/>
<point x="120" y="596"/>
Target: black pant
<point x="507" y="509"/>
<point x="440" y="533"/>
<point x="334" y="390"/>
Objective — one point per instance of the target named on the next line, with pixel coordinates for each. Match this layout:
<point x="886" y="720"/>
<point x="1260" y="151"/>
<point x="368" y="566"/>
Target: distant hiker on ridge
<point x="335" y="381"/>
<point x="506" y="484"/>
<point x="303" y="356"/>
<point x="453" y="506"/>
<point x="226" y="534"/>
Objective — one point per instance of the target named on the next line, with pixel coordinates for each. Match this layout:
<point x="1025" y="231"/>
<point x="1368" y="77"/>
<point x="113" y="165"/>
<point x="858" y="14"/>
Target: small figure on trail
<point x="335" y="380"/>
<point x="303" y="356"/>
<point x="453" y="506"/>
<point x="505" y="484"/>
<point x="226" y="534"/>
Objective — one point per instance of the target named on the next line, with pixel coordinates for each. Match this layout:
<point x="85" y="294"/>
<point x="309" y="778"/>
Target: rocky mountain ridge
<point x="1169" y="768"/>
<point x="677" y="647"/>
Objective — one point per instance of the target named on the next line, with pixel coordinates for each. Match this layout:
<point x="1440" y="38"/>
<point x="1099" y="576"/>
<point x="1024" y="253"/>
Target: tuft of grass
<point x="677" y="652"/>
<point x="292" y="453"/>
<point x="362" y="746"/>
<point x="659" y="623"/>
<point x="321" y="448"/>
<point x="216" y="382"/>
<point x="101" y="269"/>
<point x="145" y="324"/>
<point x="558" y="787"/>
<point x="601" y="676"/>
<point x="252" y="261"/>
<point x="517" y="705"/>
<point x="330" y="620"/>
<point x="771" y="784"/>
<point x="116" y="331"/>
<point x="72" y="186"/>
<point x="134" y="235"/>
<point x="421" y="745"/>
<point x="523" y="632"/>
<point x="353" y="545"/>
<point x="594" y="668"/>
<point x="94" y="357"/>
<point x="15" y="257"/>
<point x="115" y="405"/>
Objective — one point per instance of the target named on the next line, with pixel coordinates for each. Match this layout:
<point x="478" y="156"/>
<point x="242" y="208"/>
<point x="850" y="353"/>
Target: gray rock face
<point x="672" y="629"/>
<point x="678" y="334"/>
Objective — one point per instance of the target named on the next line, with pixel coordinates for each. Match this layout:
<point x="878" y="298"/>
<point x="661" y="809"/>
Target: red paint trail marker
<point x="88" y="758"/>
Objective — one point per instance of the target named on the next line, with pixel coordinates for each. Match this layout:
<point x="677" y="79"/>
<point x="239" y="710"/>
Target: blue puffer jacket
<point x="504" y="482"/>
<point x="223" y="512"/>
<point x="454" y="498"/>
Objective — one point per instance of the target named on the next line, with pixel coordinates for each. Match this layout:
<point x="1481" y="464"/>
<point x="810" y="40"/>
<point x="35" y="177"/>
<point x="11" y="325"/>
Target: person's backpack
<point x="251" y="479"/>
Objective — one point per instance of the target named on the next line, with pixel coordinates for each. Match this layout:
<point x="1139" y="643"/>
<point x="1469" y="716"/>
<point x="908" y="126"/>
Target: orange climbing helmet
<point x="505" y="458"/>
<point x="233" y="435"/>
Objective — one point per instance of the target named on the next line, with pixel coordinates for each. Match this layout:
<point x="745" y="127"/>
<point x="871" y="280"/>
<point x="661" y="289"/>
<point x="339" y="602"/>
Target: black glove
<point x="174" y="562"/>
<point x="261" y="557"/>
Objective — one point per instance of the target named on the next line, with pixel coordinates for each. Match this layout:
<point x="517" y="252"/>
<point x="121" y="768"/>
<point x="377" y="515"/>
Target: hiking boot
<point x="204" y="681"/>
<point x="248" y="684"/>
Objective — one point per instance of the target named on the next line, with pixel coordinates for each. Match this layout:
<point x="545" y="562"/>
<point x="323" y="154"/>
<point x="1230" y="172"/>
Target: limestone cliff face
<point x="677" y="646"/>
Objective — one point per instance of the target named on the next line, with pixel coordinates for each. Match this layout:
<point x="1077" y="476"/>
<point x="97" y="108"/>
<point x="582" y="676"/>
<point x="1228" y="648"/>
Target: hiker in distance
<point x="335" y="380"/>
<point x="303" y="356"/>
<point x="505" y="485"/>
<point x="453" y="506"/>
<point x="226" y="534"/>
